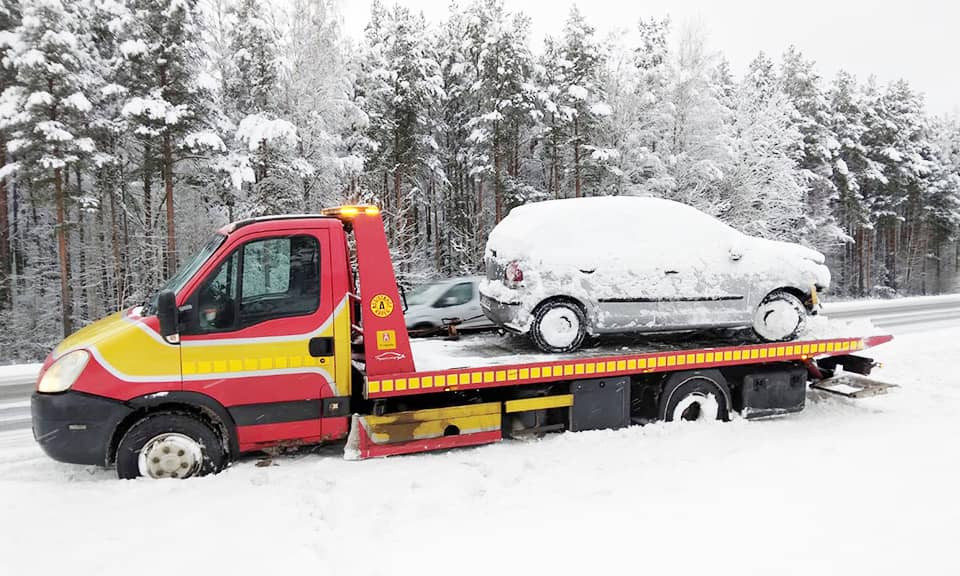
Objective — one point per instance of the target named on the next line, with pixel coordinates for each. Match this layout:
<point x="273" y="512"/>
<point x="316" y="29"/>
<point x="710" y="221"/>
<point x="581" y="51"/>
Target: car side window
<point x="455" y="296"/>
<point x="263" y="280"/>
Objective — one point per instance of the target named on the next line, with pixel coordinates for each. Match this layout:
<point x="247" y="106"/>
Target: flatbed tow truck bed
<point x="606" y="384"/>
<point x="491" y="349"/>
<point x="492" y="361"/>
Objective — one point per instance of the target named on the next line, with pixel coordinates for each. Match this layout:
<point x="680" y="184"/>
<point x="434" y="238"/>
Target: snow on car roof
<point x="599" y="224"/>
<point x="584" y="232"/>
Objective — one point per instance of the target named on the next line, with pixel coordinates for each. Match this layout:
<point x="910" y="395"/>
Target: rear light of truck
<point x="513" y="274"/>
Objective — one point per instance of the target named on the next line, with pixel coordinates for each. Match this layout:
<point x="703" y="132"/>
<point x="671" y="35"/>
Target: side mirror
<point x="167" y="314"/>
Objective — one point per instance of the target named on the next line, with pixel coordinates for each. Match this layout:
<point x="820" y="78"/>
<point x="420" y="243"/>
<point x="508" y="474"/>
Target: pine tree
<point x="854" y="174"/>
<point x="168" y="103"/>
<point x="316" y="95"/>
<point x="581" y="92"/>
<point x="636" y="82"/>
<point x="51" y="129"/>
<point x="763" y="188"/>
<point x="9" y="20"/>
<point x="694" y="147"/>
<point x="815" y="157"/>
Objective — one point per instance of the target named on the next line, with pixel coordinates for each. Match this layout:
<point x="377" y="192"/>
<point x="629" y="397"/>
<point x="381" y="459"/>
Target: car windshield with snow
<point x="562" y="269"/>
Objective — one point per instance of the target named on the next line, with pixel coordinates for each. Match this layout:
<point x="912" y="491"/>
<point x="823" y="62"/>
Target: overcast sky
<point x="917" y="40"/>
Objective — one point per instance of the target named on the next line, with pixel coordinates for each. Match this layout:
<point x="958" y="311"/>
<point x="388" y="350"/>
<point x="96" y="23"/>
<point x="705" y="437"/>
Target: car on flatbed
<point x="560" y="270"/>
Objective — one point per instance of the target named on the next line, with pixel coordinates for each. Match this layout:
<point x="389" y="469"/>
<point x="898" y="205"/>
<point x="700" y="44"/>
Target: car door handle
<point x="669" y="272"/>
<point x="321" y="346"/>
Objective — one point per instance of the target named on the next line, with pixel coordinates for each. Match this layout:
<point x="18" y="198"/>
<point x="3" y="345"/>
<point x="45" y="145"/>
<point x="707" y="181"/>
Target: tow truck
<point x="289" y="330"/>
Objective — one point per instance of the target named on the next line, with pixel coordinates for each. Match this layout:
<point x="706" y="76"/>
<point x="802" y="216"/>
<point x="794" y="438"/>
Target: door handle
<point x="669" y="272"/>
<point x="321" y="346"/>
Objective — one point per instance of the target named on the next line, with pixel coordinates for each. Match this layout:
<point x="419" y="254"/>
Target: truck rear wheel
<point x="169" y="445"/>
<point x="694" y="397"/>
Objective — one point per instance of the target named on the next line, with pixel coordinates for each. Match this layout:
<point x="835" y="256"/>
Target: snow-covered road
<point x="845" y="487"/>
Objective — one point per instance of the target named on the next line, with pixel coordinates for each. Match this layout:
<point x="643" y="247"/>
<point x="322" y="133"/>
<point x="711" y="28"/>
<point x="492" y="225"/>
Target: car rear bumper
<point x="504" y="314"/>
<point x="74" y="427"/>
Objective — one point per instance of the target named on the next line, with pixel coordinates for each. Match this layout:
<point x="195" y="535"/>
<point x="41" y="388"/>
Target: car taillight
<point x="513" y="274"/>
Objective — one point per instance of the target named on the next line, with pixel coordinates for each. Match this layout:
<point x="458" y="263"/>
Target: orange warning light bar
<point x="350" y="212"/>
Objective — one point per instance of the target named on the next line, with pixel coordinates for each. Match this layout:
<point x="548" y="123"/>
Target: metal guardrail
<point x="15" y="390"/>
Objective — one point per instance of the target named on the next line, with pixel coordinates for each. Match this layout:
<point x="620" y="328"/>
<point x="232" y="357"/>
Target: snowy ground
<point x="846" y="487"/>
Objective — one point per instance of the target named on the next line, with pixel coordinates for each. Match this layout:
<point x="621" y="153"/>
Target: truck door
<point x="257" y="336"/>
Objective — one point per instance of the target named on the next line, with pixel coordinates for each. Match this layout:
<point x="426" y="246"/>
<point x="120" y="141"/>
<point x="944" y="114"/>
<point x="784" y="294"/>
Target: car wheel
<point x="693" y="399"/>
<point x="169" y="445"/>
<point x="558" y="326"/>
<point x="780" y="316"/>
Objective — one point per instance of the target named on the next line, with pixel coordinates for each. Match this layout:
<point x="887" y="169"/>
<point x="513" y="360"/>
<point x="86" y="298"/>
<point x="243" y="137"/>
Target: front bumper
<point x="74" y="427"/>
<point x="503" y="314"/>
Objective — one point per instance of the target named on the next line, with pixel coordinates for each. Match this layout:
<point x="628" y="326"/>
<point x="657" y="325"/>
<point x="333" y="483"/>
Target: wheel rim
<point x="777" y="320"/>
<point x="696" y="408"/>
<point x="560" y="327"/>
<point x="170" y="455"/>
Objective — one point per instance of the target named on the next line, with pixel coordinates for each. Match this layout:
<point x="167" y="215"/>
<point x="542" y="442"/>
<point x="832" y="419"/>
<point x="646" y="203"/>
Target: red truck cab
<point x="260" y="353"/>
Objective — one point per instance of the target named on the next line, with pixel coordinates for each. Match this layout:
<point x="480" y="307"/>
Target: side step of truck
<point x="852" y="385"/>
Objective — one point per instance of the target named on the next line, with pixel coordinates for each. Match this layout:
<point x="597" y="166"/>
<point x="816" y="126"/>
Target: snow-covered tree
<point x="316" y="95"/>
<point x="764" y="189"/>
<point x="51" y="124"/>
<point x="801" y="84"/>
<point x="9" y="20"/>
<point x="575" y="106"/>
<point x="694" y="147"/>
<point x="402" y="88"/>
<point x="167" y="103"/>
<point x="635" y="82"/>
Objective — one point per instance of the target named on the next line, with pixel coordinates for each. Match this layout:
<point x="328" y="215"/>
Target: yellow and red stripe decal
<point x="494" y="376"/>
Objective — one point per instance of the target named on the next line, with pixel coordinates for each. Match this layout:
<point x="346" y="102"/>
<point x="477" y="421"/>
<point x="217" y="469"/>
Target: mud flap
<point x="423" y="430"/>
<point x="852" y="385"/>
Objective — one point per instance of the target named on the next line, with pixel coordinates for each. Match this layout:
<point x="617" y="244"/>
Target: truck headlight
<point x="63" y="372"/>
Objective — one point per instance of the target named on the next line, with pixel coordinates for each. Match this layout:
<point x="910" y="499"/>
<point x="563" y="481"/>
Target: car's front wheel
<point x="780" y="316"/>
<point x="558" y="326"/>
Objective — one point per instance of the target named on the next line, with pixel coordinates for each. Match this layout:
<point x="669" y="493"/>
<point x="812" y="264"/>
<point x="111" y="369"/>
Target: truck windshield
<point x="179" y="280"/>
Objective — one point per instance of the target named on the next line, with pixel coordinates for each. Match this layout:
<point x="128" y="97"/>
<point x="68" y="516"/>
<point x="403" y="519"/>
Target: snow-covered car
<point x="561" y="269"/>
<point x="436" y="304"/>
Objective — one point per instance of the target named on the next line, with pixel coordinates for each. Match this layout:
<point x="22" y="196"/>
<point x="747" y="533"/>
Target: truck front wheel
<point x="169" y="445"/>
